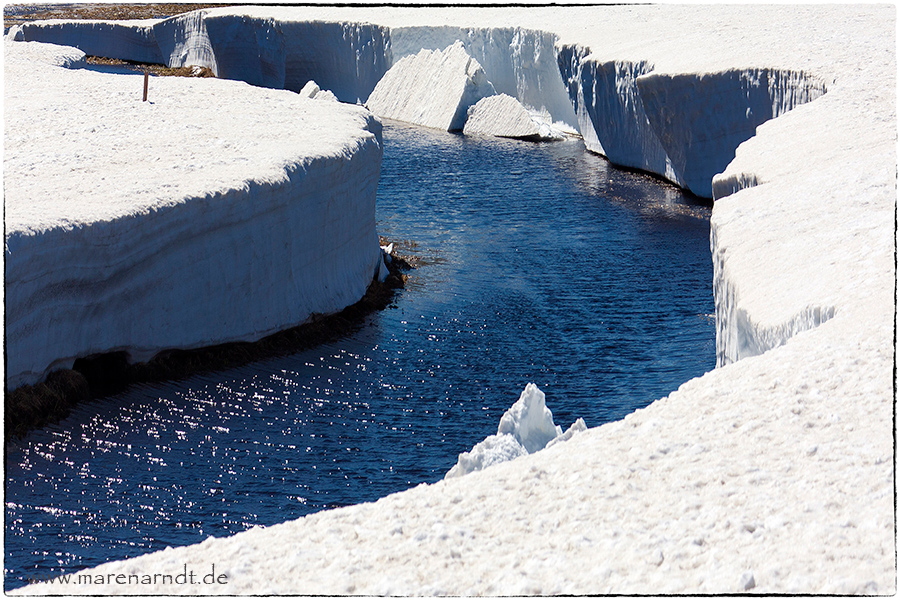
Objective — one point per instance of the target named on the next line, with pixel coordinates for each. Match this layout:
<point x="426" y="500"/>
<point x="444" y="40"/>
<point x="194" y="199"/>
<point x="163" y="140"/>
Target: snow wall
<point x="685" y="128"/>
<point x="346" y="58"/>
<point x="133" y="283"/>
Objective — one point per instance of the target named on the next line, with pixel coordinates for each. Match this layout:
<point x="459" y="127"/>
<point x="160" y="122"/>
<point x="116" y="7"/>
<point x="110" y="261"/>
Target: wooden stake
<point x="146" y="79"/>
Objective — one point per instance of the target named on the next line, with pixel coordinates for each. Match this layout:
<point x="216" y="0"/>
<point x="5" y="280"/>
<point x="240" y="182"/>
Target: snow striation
<point x="625" y="112"/>
<point x="518" y="62"/>
<point x="773" y="472"/>
<point x="433" y="88"/>
<point x="313" y="91"/>
<point x="504" y="116"/>
<point x="345" y="58"/>
<point x="525" y="428"/>
<point x="144" y="226"/>
<point x="125" y="40"/>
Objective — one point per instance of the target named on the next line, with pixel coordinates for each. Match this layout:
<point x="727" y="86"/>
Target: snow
<point x="312" y="90"/>
<point x="127" y="40"/>
<point x="529" y="420"/>
<point x="525" y="428"/>
<point x="504" y="116"/>
<point x="345" y="58"/>
<point x="519" y="62"/>
<point x="184" y="221"/>
<point x="773" y="472"/>
<point x="433" y="88"/>
<point x="490" y="451"/>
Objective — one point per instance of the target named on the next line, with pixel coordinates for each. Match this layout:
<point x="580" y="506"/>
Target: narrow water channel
<point x="540" y="263"/>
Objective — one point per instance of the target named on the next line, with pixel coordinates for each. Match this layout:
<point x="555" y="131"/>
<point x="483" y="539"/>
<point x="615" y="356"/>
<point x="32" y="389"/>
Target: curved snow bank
<point x="716" y="113"/>
<point x="774" y="474"/>
<point x="610" y="111"/>
<point x="685" y="128"/>
<point x="142" y="226"/>
<point x="738" y="335"/>
<point x="251" y="46"/>
<point x="432" y="89"/>
<point x="504" y="116"/>
<point x="125" y="40"/>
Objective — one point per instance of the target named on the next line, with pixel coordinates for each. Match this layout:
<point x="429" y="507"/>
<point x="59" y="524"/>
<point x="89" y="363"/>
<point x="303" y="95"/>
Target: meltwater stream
<point x="540" y="263"/>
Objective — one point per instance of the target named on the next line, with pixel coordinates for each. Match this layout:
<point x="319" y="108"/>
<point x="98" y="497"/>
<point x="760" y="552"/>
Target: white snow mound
<point x="433" y="88"/>
<point x="526" y="427"/>
<point x="504" y="116"/>
<point x="529" y="420"/>
<point x="313" y="91"/>
<point x="493" y="450"/>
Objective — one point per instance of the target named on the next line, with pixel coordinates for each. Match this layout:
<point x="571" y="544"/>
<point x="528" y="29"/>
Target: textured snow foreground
<point x="772" y="473"/>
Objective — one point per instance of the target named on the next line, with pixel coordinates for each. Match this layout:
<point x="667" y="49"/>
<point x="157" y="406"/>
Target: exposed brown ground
<point x="109" y="12"/>
<point x="152" y="68"/>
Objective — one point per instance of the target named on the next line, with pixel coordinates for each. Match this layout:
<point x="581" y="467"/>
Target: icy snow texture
<point x="504" y="116"/>
<point x="490" y="451"/>
<point x="433" y="88"/>
<point x="622" y="107"/>
<point x="126" y="40"/>
<point x="214" y="212"/>
<point x="526" y="427"/>
<point x="312" y="90"/>
<point x="529" y="420"/>
<point x="518" y="62"/>
<point x="346" y="58"/>
<point x="778" y="465"/>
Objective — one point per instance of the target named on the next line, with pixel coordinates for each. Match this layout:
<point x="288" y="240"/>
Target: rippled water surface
<point x="540" y="264"/>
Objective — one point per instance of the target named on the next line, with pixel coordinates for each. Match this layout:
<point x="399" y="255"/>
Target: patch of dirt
<point x="160" y="70"/>
<point x="16" y="14"/>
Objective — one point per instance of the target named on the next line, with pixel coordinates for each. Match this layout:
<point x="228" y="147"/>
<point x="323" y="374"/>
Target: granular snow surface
<point x="774" y="473"/>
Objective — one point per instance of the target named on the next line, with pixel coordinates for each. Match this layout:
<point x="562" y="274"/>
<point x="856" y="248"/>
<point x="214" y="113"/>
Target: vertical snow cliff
<point x="685" y="128"/>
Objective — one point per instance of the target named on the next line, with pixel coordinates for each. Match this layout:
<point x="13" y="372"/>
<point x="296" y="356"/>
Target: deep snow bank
<point x="346" y="58"/>
<point x="142" y="226"/>
<point x="519" y="62"/>
<point x="125" y="40"/>
<point x="684" y="127"/>
<point x="629" y="110"/>
<point x="431" y="88"/>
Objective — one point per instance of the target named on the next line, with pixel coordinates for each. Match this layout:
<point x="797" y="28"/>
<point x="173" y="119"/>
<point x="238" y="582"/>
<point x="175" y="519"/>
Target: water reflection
<point x="539" y="264"/>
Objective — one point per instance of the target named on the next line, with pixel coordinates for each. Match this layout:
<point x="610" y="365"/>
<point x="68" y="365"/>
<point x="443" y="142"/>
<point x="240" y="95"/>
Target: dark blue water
<point x="540" y="264"/>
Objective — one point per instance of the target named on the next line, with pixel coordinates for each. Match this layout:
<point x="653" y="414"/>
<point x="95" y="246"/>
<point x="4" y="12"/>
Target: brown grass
<point x="160" y="70"/>
<point x="104" y="12"/>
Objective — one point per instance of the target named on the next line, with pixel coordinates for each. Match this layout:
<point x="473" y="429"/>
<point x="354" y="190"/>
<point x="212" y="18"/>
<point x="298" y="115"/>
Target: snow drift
<point x="525" y="428"/>
<point x="504" y="116"/>
<point x="346" y="58"/>
<point x="432" y="89"/>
